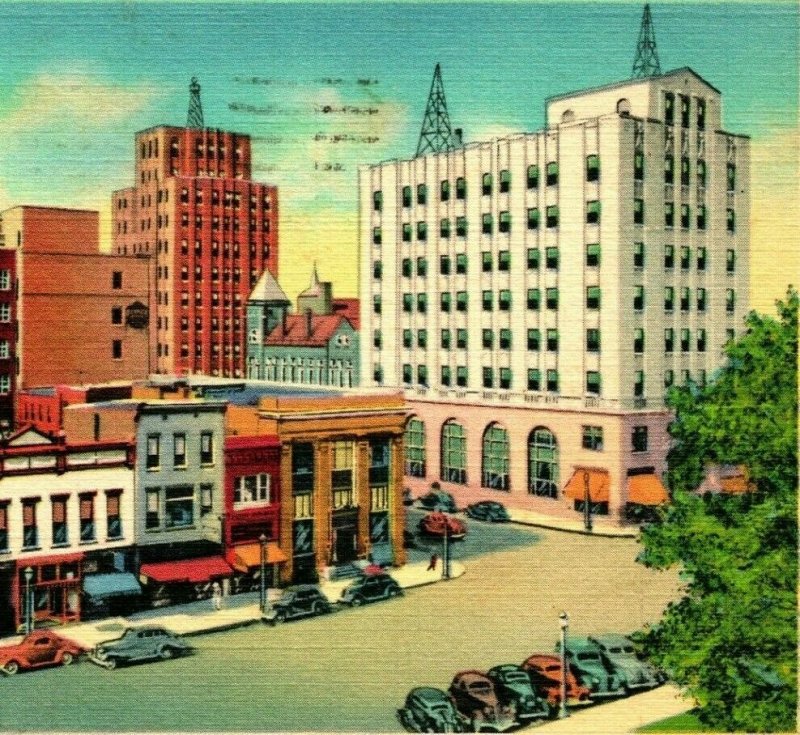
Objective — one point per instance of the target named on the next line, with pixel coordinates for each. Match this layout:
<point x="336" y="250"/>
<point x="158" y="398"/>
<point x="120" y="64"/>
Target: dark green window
<point x="638" y="255"/>
<point x="461" y="188"/>
<point x="505" y="378"/>
<point x="552" y="173"/>
<point x="486" y="261"/>
<point x="638" y="340"/>
<point x="444" y="265"/>
<point x="534" y="340"/>
<point x="552" y="340"/>
<point x="487" y="224"/>
<point x="638" y="298"/>
<point x="444" y="301"/>
<point x="405" y="267"/>
<point x="377" y="270"/>
<point x="686" y="257"/>
<point x="488" y="377"/>
<point x="461" y="376"/>
<point x="504" y="301"/>
<point x="701" y="173"/>
<point x="504" y="260"/>
<point x="444" y="227"/>
<point x="422" y="194"/>
<point x="487" y="300"/>
<point x="461" y="263"/>
<point x="422" y="339"/>
<point x="593" y="254"/>
<point x="444" y="191"/>
<point x="669" y="169"/>
<point x="551" y="258"/>
<point x="376" y="304"/>
<point x="486" y="184"/>
<point x="406" y="232"/>
<point x="593" y="340"/>
<point x="377" y="236"/>
<point x="552" y="216"/>
<point x="533" y="218"/>
<point x="422" y="267"/>
<point x="669" y="340"/>
<point x="407" y="338"/>
<point x="686" y="216"/>
<point x="593" y="382"/>
<point x="505" y="222"/>
<point x="445" y="339"/>
<point x="534" y="298"/>
<point x="377" y="339"/>
<point x="552" y="381"/>
<point x="686" y="171"/>
<point x="730" y="177"/>
<point x="533" y="176"/>
<point x="461" y="226"/>
<point x="445" y="375"/>
<point x="377" y="200"/>
<point x="730" y="261"/>
<point x="406" y="196"/>
<point x="462" y="302"/>
<point x="551" y="298"/>
<point x="534" y="379"/>
<point x="701" y="216"/>
<point x="407" y="373"/>
<point x="593" y="168"/>
<point x="638" y="384"/>
<point x="638" y="211"/>
<point x="669" y="256"/>
<point x="593" y="297"/>
<point x="422" y="231"/>
<point x="505" y="339"/>
<point x="487" y="339"/>
<point x="592" y="212"/>
<point x="533" y="258"/>
<point x="461" y="339"/>
<point x="505" y="181"/>
<point x="422" y="375"/>
<point x="669" y="214"/>
<point x="701" y="259"/>
<point x="408" y="301"/>
<point x="669" y="298"/>
<point x="422" y="303"/>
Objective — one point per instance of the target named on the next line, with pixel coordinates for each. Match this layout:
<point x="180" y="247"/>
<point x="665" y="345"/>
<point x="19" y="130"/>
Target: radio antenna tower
<point x="436" y="134"/>
<point x="646" y="63"/>
<point x="195" y="117"/>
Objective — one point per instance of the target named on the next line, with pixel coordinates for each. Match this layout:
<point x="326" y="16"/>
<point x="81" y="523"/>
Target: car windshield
<point x="553" y="667"/>
<point x="615" y="649"/>
<point x="628" y="649"/>
<point x="480" y="687"/>
<point x="588" y="656"/>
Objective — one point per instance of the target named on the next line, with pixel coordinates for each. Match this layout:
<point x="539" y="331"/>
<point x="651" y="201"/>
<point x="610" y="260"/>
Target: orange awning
<point x="646" y="490"/>
<point x="735" y="484"/>
<point x="599" y="483"/>
<point x="247" y="556"/>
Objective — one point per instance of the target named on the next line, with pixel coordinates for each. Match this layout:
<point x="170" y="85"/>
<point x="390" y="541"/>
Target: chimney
<point x="309" y="322"/>
<point x="283" y="322"/>
<point x="458" y="134"/>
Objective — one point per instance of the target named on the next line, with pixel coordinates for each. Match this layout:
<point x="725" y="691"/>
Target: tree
<point x="731" y="640"/>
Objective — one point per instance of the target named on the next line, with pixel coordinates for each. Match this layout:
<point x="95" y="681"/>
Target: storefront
<point x="247" y="562"/>
<point x="344" y="536"/>
<point x="592" y="485"/>
<point x="52" y="586"/>
<point x="175" y="582"/>
<point x="115" y="593"/>
<point x="645" y="493"/>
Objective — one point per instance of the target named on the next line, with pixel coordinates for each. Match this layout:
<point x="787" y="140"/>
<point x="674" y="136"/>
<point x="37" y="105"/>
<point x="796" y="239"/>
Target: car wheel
<point x="11" y="668"/>
<point x="166" y="653"/>
<point x="67" y="658"/>
<point x="395" y="593"/>
<point x="280" y="616"/>
<point x="317" y="608"/>
<point x="357" y="601"/>
<point x="111" y="664"/>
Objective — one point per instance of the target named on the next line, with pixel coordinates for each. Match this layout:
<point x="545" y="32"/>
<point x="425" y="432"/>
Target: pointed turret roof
<point x="267" y="289"/>
<point x="314" y="289"/>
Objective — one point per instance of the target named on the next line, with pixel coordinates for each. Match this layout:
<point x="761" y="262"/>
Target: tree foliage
<point x="731" y="640"/>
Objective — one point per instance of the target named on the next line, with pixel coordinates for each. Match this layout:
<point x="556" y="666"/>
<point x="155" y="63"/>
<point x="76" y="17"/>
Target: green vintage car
<point x="591" y="669"/>
<point x="430" y="710"/>
<point x="620" y="655"/>
<point x="147" y="643"/>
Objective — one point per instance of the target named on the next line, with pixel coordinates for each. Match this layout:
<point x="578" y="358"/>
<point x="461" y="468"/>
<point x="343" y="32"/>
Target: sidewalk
<point x="599" y="528"/>
<point x="199" y="617"/>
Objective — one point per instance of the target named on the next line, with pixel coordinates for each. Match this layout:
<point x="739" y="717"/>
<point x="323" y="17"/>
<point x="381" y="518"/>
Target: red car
<point x="434" y="524"/>
<point x="545" y="673"/>
<point x="40" y="648"/>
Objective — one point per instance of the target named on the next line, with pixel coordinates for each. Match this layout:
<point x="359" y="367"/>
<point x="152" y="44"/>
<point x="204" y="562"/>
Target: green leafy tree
<point x="731" y="640"/>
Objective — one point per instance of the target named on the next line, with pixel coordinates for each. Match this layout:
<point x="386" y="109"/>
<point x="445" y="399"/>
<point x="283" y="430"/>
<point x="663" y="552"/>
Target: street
<point x="350" y="671"/>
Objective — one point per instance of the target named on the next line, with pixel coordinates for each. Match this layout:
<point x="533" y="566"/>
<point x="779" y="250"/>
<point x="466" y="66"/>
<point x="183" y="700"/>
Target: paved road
<point x="350" y="671"/>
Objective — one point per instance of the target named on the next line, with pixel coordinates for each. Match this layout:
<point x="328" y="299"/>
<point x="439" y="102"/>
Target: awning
<point x="190" y="570"/>
<point x="599" y="483"/>
<point x="736" y="484"/>
<point x="40" y="561"/>
<point x="646" y="490"/>
<point x="100" y="586"/>
<point x="245" y="557"/>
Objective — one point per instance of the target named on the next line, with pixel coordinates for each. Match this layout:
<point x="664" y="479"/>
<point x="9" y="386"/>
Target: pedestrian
<point x="432" y="565"/>
<point x="216" y="596"/>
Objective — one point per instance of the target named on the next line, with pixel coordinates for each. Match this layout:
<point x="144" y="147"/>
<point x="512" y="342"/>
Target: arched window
<point x="495" y="458"/>
<point x="542" y="463"/>
<point x="624" y="106"/>
<point x="414" y="446"/>
<point x="454" y="453"/>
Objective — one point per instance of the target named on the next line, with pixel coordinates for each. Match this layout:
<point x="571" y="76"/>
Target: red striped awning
<point x="190" y="570"/>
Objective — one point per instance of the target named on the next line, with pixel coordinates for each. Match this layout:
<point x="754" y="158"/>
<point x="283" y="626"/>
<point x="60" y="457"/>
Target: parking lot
<point x="351" y="671"/>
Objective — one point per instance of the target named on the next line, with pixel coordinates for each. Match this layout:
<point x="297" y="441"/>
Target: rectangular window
<point x="684" y="110"/>
<point x="377" y="236"/>
<point x="533" y="258"/>
<point x="505" y="181"/>
<point x="486" y="261"/>
<point x="377" y="270"/>
<point x="638" y="384"/>
<point x="116" y="349"/>
<point x="669" y="256"/>
<point x="731" y="220"/>
<point x="669" y="339"/>
<point x="444" y="191"/>
<point x="593" y="255"/>
<point x="701" y="259"/>
<point x="461" y="188"/>
<point x="505" y="339"/>
<point x="377" y="200"/>
<point x="377" y="339"/>
<point x="551" y="258"/>
<point x="592" y="212"/>
<point x="422" y="231"/>
<point x="552" y="381"/>
<point x="701" y="340"/>
<point x="407" y="338"/>
<point x="669" y="214"/>
<point x="486" y="184"/>
<point x="116" y="280"/>
<point x="486" y="224"/>
<point x="533" y="218"/>
<point x="551" y="298"/>
<point x="207" y="499"/>
<point x="505" y="222"/>
<point x="669" y="298"/>
<point x="444" y="227"/>
<point x="638" y="298"/>
<point x="461" y="376"/>
<point x="504" y="260"/>
<point x="685" y="340"/>
<point x="461" y="339"/>
<point x="408" y="301"/>
<point x="179" y="450"/>
<point x="444" y="301"/>
<point x="638" y="255"/>
<point x="593" y="297"/>
<point x="86" y="508"/>
<point x="686" y="258"/>
<point x="593" y="382"/>
<point x="488" y="377"/>
<point x="534" y="340"/>
<point x="444" y="265"/>
<point x="638" y="166"/>
<point x="701" y="173"/>
<point x="534" y="379"/>
<point x="552" y="216"/>
<point x="445" y="339"/>
<point x="206" y="448"/>
<point x="669" y="378"/>
<point x="153" y="451"/>
<point x="686" y="171"/>
<point x="504" y="300"/>
<point x="408" y="374"/>
<point x="593" y="168"/>
<point x="422" y="267"/>
<point x="686" y="216"/>
<point x="701" y="299"/>
<point x="730" y="261"/>
<point x="534" y="297"/>
<point x="701" y="114"/>
<point x="701" y="216"/>
<point x="552" y="173"/>
<point x="552" y="340"/>
<point x="638" y="211"/>
<point x="5" y="280"/>
<point x="179" y="506"/>
<point x="461" y="226"/>
<point x="406" y="196"/>
<point x="669" y="108"/>
<point x="405" y="267"/>
<point x="406" y="232"/>
<point x="593" y="340"/>
<point x="422" y="339"/>
<point x="487" y="300"/>
<point x="533" y="176"/>
<point x="461" y="263"/>
<point x="5" y="348"/>
<point x="30" y="529"/>
<point x="461" y="301"/>
<point x="116" y="315"/>
<point x="685" y="298"/>
<point x="153" y="509"/>
<point x="593" y="438"/>
<point x="422" y="194"/>
<point x="505" y="378"/>
<point x="488" y="339"/>
<point x="638" y="341"/>
<point x="639" y="439"/>
<point x="376" y="304"/>
<point x="446" y="375"/>
<point x="59" y="513"/>
<point x="730" y="300"/>
<point x="730" y="177"/>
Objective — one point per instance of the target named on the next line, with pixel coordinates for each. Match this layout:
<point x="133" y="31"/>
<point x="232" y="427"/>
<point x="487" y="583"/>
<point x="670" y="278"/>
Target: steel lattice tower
<point x="646" y="63"/>
<point x="195" y="117"/>
<point x="436" y="134"/>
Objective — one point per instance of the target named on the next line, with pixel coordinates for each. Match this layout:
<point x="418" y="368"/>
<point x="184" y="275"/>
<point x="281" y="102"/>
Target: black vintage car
<point x="513" y="687"/>
<point x="430" y="710"/>
<point x="488" y="510"/>
<point x="301" y="601"/>
<point x="370" y="588"/>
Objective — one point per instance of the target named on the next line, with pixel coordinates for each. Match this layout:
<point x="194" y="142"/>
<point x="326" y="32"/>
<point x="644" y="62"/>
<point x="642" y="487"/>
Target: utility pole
<point x="646" y="63"/>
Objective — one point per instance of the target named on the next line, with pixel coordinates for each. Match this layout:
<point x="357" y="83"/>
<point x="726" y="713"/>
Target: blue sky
<point x="78" y="79"/>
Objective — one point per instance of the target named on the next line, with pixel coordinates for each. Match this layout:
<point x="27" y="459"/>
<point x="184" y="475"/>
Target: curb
<point x="223" y="627"/>
<point x="580" y="531"/>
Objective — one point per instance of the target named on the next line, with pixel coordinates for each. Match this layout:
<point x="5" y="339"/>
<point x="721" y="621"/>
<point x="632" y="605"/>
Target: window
<point x="593" y="168"/>
<point x="551" y="258"/>
<point x="252" y="489"/>
<point x="377" y="339"/>
<point x="701" y="299"/>
<point x="685" y="298"/>
<point x="408" y="375"/>
<point x="487" y="300"/>
<point x="533" y="218"/>
<point x="116" y="280"/>
<point x="445" y="337"/>
<point x="638" y="298"/>
<point x="593" y="297"/>
<point x="414" y="448"/>
<point x="444" y="191"/>
<point x="686" y="171"/>
<point x="444" y="265"/>
<point x="730" y="300"/>
<point x="461" y="339"/>
<point x="487" y="339"/>
<point x="669" y="378"/>
<point x="504" y="300"/>
<point x="342" y="473"/>
<point x="407" y="338"/>
<point x="377" y="270"/>
<point x="669" y="298"/>
<point x="153" y="460"/>
<point x="116" y="349"/>
<point x="377" y="236"/>
<point x="730" y="261"/>
<point x="30" y="529"/>
<point x="533" y="258"/>
<point x="701" y="216"/>
<point x="422" y="231"/>
<point x="552" y="173"/>
<point x="686" y="258"/>
<point x="543" y="463"/>
<point x="206" y="499"/>
<point x="730" y="177"/>
<point x="505" y="378"/>
<point x="638" y="384"/>
<point x="206" y="448"/>
<point x="593" y="255"/>
<point x="533" y="299"/>
<point x="638" y="211"/>
<point x="444" y="228"/>
<point x="406" y="196"/>
<point x="494" y="459"/>
<point x="179" y="506"/>
<point x="422" y="267"/>
<point x="669" y="214"/>
<point x="505" y="339"/>
<point x="701" y="114"/>
<point x="593" y="438"/>
<point x="638" y="341"/>
<point x="5" y="280"/>
<point x="444" y="301"/>
<point x="4" y="525"/>
<point x="422" y="194"/>
<point x="153" y="512"/>
<point x="686" y="216"/>
<point x="445" y="377"/>
<point x="422" y="339"/>
<point x="488" y="377"/>
<point x="461" y="188"/>
<point x="551" y="298"/>
<point x="684" y="110"/>
<point x="461" y="301"/>
<point x="534" y="340"/>
<point x="731" y="220"/>
<point x="486" y="184"/>
<point x="534" y="379"/>
<point x="5" y="348"/>
<point x="377" y="200"/>
<point x="59" y="513"/>
<point x="405" y="267"/>
<point x="505" y="222"/>
<point x="638" y="166"/>
<point x="504" y="260"/>
<point x="701" y="173"/>
<point x="701" y="340"/>
<point x="638" y="255"/>
<point x="376" y="304"/>
<point x="593" y="382"/>
<point x="461" y="263"/>
<point x="669" y="256"/>
<point x="408" y="299"/>
<point x="552" y="340"/>
<point x="592" y="212"/>
<point x="454" y="453"/>
<point x="505" y="181"/>
<point x="533" y="176"/>
<point x="669" y="339"/>
<point x="639" y="439"/>
<point x="86" y="515"/>
<point x="486" y="261"/>
<point x="461" y="376"/>
<point x="593" y="340"/>
<point x="486" y="224"/>
<point x="461" y="226"/>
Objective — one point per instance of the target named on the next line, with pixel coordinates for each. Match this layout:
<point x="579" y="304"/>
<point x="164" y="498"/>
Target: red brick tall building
<point x="212" y="231"/>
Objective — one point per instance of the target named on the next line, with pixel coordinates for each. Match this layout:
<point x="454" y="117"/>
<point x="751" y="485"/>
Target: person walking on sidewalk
<point x="432" y="565"/>
<point x="216" y="596"/>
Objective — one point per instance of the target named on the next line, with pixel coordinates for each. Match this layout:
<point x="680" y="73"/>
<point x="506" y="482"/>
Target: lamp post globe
<point x="28" y="572"/>
<point x="563" y="620"/>
<point x="263" y="577"/>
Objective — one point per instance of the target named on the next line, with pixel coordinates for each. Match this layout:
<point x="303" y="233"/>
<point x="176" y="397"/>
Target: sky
<point x="326" y="87"/>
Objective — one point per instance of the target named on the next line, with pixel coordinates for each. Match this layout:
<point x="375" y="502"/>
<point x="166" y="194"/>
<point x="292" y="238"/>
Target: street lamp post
<point x="263" y="579"/>
<point x="563" y="619"/>
<point x="587" y="507"/>
<point x="446" y="551"/>
<point x="28" y="601"/>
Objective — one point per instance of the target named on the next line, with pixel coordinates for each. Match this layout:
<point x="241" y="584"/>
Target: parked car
<point x="40" y="648"/>
<point x="488" y="510"/>
<point x="513" y="687"/>
<point x="301" y="601"/>
<point x="591" y="669"/>
<point x="370" y="588"/>
<point x="475" y="698"/>
<point x="545" y="673"/>
<point x="430" y="710"/>
<point x="438" y="500"/>
<point x="139" y="644"/>
<point x="620" y="655"/>
<point x="435" y="524"/>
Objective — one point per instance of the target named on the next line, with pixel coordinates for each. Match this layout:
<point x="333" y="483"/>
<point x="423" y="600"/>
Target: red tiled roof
<point x="322" y="329"/>
<point x="348" y="308"/>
